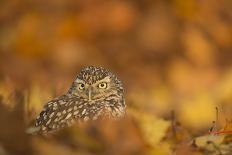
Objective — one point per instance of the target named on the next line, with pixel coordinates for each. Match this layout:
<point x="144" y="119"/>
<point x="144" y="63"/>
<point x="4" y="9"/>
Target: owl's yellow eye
<point x="81" y="86"/>
<point x="102" y="85"/>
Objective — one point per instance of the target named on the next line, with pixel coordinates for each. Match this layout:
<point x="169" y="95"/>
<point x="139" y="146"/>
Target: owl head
<point x="96" y="83"/>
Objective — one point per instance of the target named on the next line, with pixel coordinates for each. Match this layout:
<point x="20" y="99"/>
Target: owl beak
<point x="89" y="94"/>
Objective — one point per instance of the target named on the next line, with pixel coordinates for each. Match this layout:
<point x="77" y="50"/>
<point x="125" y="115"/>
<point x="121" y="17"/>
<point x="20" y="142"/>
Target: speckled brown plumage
<point x="95" y="93"/>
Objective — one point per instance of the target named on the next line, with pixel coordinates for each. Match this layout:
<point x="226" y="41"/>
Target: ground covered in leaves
<point x="139" y="132"/>
<point x="173" y="57"/>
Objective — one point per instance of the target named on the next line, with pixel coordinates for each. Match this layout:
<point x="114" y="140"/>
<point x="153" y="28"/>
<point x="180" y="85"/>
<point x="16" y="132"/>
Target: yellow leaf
<point x="203" y="141"/>
<point x="153" y="128"/>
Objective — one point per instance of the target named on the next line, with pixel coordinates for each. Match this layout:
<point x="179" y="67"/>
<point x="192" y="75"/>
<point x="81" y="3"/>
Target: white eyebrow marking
<point x="79" y="81"/>
<point x="106" y="79"/>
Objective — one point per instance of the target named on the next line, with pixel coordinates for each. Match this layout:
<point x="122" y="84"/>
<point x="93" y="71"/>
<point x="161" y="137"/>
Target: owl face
<point x="95" y="83"/>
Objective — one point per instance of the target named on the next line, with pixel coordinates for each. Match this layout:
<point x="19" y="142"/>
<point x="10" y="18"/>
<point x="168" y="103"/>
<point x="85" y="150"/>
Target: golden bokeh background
<point x="172" y="55"/>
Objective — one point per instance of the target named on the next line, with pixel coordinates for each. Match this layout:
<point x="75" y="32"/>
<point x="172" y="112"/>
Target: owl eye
<point x="81" y="86"/>
<point x="102" y="85"/>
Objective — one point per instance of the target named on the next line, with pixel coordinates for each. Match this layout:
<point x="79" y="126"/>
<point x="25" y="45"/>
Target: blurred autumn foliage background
<point x="174" y="58"/>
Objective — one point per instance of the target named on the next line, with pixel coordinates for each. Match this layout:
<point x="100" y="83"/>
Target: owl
<point x="95" y="93"/>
